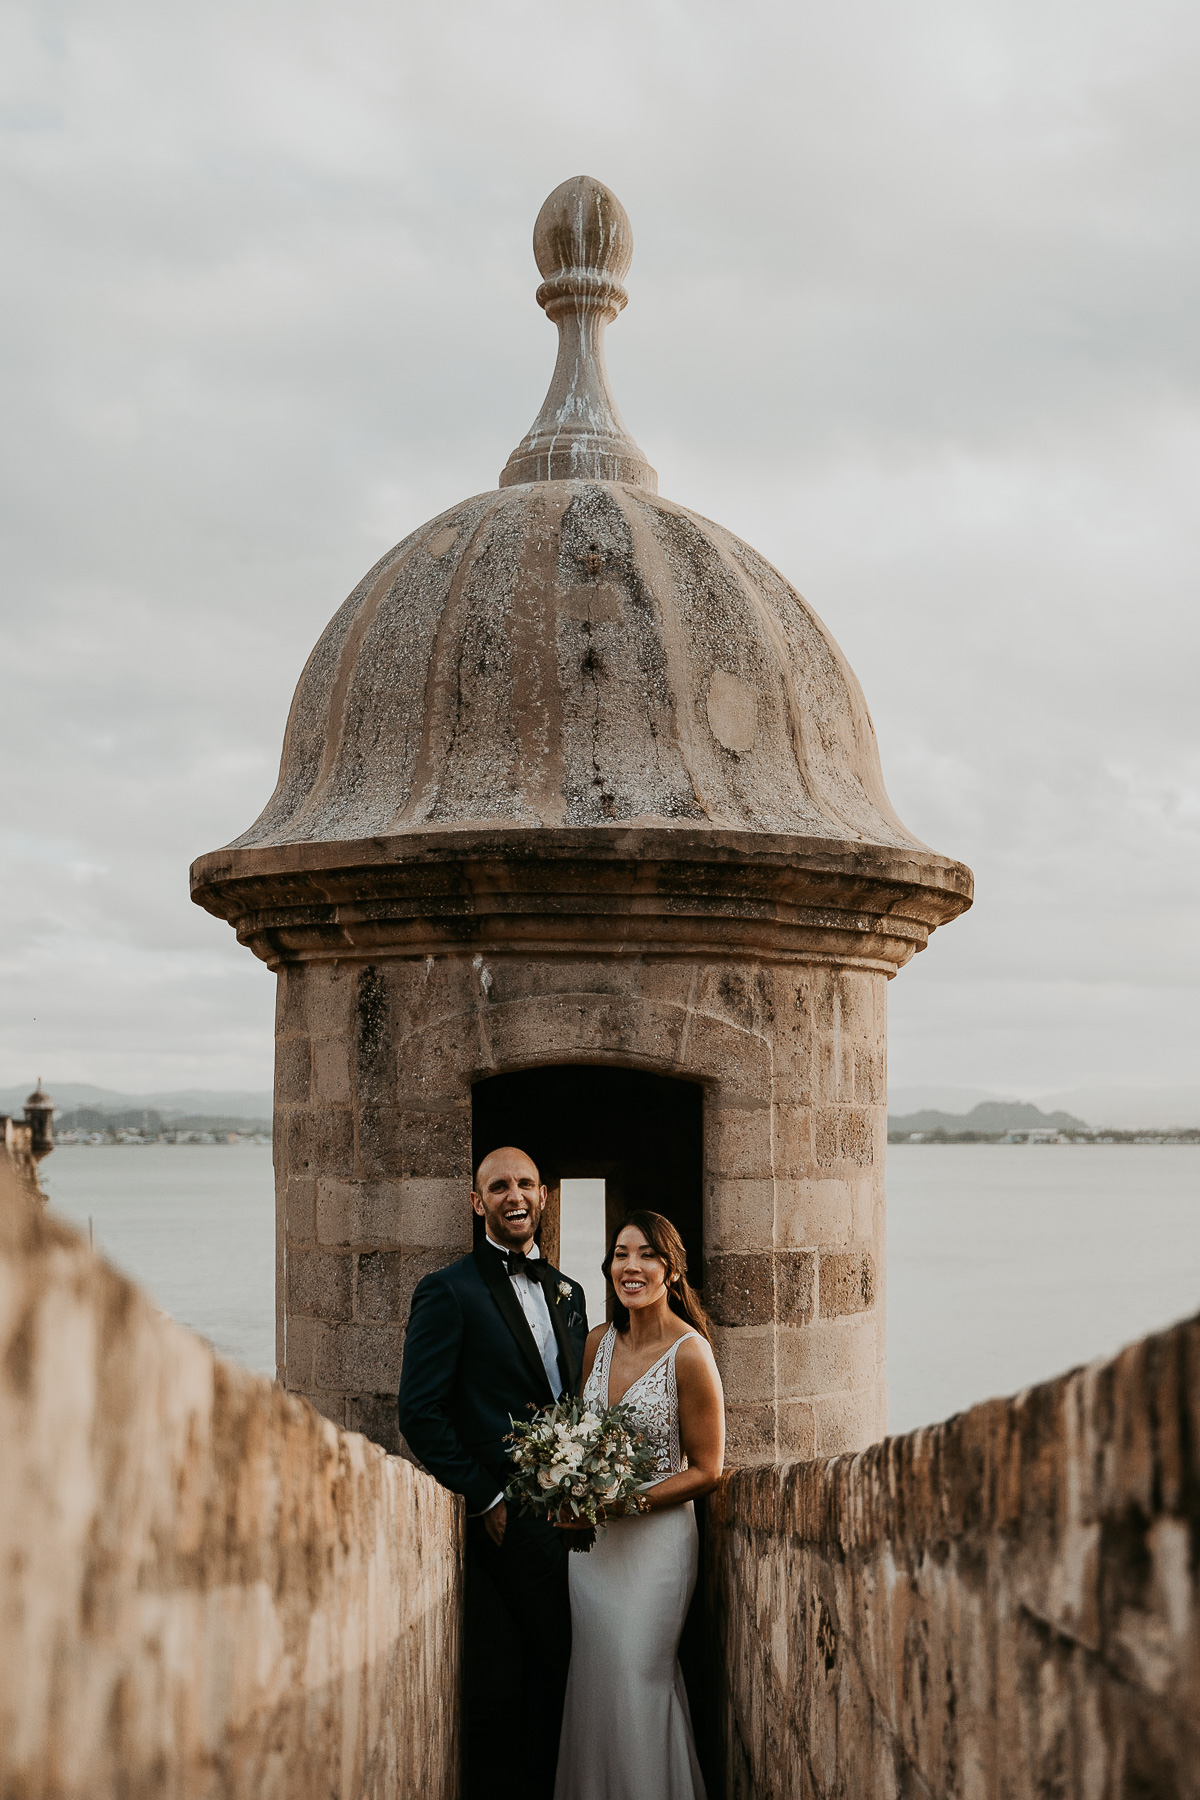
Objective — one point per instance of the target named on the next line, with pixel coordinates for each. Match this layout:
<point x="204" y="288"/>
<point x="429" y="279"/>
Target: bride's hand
<point x="579" y="1524"/>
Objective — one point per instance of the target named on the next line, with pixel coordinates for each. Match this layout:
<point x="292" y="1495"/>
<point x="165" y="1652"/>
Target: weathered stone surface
<point x="435" y="1027"/>
<point x="847" y="1282"/>
<point x="1003" y="1607"/>
<point x="574" y="776"/>
<point x="206" y="1590"/>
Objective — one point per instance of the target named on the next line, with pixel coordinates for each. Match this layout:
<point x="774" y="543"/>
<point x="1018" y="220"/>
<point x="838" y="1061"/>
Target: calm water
<point x="194" y="1223"/>
<point x="1011" y="1262"/>
<point x="1007" y="1263"/>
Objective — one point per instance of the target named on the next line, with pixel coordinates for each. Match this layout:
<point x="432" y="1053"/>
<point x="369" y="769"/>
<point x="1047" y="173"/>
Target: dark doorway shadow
<point x="643" y="1134"/>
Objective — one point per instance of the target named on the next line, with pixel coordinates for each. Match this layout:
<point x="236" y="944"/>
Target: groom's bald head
<point x="509" y="1197"/>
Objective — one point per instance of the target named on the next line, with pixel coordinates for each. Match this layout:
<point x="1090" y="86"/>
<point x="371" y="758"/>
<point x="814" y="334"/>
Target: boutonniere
<point x="564" y="1291"/>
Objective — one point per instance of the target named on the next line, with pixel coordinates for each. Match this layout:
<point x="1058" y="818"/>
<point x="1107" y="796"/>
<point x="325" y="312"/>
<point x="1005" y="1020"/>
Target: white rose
<point x="558" y="1474"/>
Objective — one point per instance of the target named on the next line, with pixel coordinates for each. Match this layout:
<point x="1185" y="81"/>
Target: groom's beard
<point x="506" y="1235"/>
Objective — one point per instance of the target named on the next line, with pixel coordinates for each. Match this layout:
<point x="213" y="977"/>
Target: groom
<point x="498" y="1334"/>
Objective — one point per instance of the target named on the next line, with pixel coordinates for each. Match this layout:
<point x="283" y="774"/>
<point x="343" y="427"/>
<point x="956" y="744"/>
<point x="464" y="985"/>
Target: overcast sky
<point x="912" y="308"/>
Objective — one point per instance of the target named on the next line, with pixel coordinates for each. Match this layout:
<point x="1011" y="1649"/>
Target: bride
<point x="627" y="1733"/>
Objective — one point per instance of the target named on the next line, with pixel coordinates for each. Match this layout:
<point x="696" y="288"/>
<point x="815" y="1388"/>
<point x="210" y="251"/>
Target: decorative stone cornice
<point x="631" y="891"/>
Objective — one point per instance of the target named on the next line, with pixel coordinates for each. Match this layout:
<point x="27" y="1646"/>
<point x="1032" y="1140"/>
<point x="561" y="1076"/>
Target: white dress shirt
<point x="531" y="1298"/>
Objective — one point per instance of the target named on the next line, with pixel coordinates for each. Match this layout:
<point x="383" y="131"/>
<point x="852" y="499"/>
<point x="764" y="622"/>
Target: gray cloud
<point x="912" y="310"/>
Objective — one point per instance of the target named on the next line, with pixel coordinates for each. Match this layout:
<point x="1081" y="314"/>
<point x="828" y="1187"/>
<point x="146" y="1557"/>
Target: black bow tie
<point x="517" y="1263"/>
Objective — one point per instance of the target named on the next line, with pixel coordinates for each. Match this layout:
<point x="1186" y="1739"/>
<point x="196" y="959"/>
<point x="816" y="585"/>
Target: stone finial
<point x="583" y="245"/>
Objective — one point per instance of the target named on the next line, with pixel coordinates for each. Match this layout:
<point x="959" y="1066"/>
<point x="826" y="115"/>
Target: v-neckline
<point x="608" y="1400"/>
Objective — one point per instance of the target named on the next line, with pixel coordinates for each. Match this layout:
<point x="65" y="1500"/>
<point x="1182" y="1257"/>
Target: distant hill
<point x="174" y="1104"/>
<point x="930" y="1098"/>
<point x="149" y="1120"/>
<point x="988" y="1116"/>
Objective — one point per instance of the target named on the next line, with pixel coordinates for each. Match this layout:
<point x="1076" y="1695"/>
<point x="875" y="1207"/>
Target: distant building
<point x="28" y="1139"/>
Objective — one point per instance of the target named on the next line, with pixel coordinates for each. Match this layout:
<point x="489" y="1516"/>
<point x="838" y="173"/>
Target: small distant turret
<point x="39" y="1116"/>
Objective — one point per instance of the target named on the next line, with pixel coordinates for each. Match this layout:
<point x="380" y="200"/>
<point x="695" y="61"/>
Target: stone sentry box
<point x="576" y="781"/>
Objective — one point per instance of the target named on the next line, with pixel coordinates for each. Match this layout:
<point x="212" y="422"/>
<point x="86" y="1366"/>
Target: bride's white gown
<point x="627" y="1732"/>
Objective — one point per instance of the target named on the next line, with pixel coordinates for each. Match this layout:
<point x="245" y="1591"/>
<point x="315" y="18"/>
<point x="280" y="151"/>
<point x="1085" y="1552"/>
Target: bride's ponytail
<point x="683" y="1299"/>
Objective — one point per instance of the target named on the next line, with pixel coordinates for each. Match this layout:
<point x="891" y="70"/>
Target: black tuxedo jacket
<point x="471" y="1365"/>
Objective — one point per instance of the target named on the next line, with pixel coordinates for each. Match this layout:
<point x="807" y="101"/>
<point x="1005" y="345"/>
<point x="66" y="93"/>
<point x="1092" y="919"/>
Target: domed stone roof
<point x="573" y="650"/>
<point x="576" y="653"/>
<point x="564" y="660"/>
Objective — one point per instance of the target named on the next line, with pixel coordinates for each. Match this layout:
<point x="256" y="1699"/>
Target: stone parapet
<point x="206" y="1590"/>
<point x="1002" y="1607"/>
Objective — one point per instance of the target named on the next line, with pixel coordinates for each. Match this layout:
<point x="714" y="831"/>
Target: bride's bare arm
<point x="701" y="1427"/>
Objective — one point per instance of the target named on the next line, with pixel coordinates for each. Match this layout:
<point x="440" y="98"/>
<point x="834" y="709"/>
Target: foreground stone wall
<point x="205" y="1589"/>
<point x="1003" y="1605"/>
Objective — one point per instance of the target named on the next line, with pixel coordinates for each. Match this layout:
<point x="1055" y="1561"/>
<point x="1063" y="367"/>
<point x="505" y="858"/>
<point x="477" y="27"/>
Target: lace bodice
<point x="654" y="1399"/>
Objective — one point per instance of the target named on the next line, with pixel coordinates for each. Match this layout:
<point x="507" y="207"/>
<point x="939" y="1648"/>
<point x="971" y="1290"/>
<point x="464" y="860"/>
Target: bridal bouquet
<point x="576" y="1464"/>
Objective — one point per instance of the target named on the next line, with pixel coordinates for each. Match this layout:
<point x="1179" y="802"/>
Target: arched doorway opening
<point x="639" y="1133"/>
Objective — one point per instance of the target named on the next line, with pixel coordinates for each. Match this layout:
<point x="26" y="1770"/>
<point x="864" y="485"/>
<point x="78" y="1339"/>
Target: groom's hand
<point x="495" y="1521"/>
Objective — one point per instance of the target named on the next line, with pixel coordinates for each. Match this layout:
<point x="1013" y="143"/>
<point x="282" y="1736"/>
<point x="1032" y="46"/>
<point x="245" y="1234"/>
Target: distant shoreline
<point x="1036" y="1137"/>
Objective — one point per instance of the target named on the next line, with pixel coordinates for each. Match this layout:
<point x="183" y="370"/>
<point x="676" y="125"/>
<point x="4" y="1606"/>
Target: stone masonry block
<point x="320" y="1141"/>
<point x="293" y="1071"/>
<point x="870" y="1075"/>
<point x="739" y="1060"/>
<point x="358" y="1358"/>
<point x="386" y="1280"/>
<point x="379" y="1285"/>
<point x="736" y="993"/>
<point x="793" y="1038"/>
<point x="795" y="1286"/>
<point x="314" y="1000"/>
<point x="761" y="1289"/>
<point x="738" y="1215"/>
<point x="835" y="1069"/>
<point x="375" y="1416"/>
<point x="869" y="1204"/>
<point x="740" y="1290"/>
<point x="318" y="1284"/>
<point x="300" y="1210"/>
<point x="331" y="1069"/>
<point x="302" y="1336"/>
<point x="847" y="1282"/>
<point x="373" y="1054"/>
<point x="825" y="1136"/>
<point x="359" y="1212"/>
<point x="797" y="1430"/>
<point x="845" y="1422"/>
<point x="816" y="1212"/>
<point x="570" y="1023"/>
<point x="749" y="1434"/>
<point x="746" y="1359"/>
<point x="843" y="1134"/>
<point x="834" y="1356"/>
<point x="793" y="1140"/>
<point x="330" y="1406"/>
<point x="394" y="1144"/>
<point x="856" y="1135"/>
<point x="435" y="1214"/>
<point x="441" y="1060"/>
<point x="738" y="1142"/>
